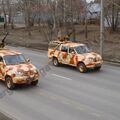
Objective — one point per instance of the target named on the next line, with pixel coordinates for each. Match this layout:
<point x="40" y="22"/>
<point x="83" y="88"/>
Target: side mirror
<point x="28" y="60"/>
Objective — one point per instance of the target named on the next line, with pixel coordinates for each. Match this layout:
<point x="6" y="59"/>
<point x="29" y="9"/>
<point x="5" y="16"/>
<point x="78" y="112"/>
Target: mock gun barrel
<point x="2" y="44"/>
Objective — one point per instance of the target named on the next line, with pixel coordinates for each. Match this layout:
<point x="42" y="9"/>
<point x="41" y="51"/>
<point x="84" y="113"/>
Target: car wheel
<point x="82" y="68"/>
<point x="34" y="83"/>
<point x="55" y="62"/>
<point x="98" y="68"/>
<point x="9" y="83"/>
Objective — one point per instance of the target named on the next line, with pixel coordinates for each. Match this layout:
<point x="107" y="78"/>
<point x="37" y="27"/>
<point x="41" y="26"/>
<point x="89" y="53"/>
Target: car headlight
<point x="91" y="59"/>
<point x="35" y="71"/>
<point x="99" y="58"/>
<point x="18" y="74"/>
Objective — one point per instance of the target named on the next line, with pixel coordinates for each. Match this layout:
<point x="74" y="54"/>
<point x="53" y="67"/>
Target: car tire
<point x="82" y="68"/>
<point x="9" y="83"/>
<point x="34" y="83"/>
<point x="98" y="68"/>
<point x="55" y="61"/>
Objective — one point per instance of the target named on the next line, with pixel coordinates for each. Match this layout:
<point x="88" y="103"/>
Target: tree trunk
<point x="5" y="18"/>
<point x="113" y="17"/>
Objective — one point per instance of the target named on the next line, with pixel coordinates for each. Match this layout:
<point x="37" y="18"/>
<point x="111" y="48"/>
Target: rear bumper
<point x="25" y="79"/>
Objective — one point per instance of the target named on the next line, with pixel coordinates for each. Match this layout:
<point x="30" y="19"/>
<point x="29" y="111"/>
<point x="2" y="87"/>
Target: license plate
<point x="30" y="78"/>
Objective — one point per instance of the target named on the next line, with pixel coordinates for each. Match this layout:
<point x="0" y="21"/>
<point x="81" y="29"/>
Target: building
<point x="94" y="10"/>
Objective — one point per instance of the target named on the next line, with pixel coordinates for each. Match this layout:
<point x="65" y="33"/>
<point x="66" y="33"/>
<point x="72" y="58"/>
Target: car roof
<point x="5" y="51"/>
<point x="72" y="44"/>
<point x="66" y="43"/>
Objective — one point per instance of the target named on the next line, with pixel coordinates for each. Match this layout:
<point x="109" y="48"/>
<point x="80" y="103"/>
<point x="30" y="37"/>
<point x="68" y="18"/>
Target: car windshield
<point x="82" y="49"/>
<point x="14" y="59"/>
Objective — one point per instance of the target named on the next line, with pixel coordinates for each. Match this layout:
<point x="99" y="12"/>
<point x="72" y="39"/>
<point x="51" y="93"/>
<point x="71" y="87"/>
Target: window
<point x="71" y="50"/>
<point x="64" y="49"/>
<point x="14" y="59"/>
<point x="82" y="49"/>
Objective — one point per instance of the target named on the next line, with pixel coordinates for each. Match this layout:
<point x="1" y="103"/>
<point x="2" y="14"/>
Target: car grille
<point x="27" y="73"/>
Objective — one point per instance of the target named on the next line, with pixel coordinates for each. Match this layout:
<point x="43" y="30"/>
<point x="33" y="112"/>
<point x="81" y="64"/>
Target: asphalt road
<point x="4" y="117"/>
<point x="65" y="94"/>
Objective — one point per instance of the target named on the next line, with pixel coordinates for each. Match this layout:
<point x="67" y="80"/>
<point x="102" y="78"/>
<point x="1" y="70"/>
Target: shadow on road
<point x="71" y="68"/>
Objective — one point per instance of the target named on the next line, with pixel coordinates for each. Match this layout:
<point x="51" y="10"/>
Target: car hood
<point x="21" y="68"/>
<point x="91" y="55"/>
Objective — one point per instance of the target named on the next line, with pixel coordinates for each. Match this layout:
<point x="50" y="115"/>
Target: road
<point x="65" y="94"/>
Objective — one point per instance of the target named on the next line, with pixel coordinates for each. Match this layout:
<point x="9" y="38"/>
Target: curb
<point x="112" y="63"/>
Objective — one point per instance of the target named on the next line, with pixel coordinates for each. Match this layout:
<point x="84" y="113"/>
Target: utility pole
<point x="86" y="21"/>
<point x="64" y="15"/>
<point x="102" y="28"/>
<point x="64" y="10"/>
<point x="72" y="20"/>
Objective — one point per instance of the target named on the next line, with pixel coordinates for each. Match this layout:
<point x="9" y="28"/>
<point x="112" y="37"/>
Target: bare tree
<point x="54" y="14"/>
<point x="27" y="8"/>
<point x="112" y="10"/>
<point x="5" y="16"/>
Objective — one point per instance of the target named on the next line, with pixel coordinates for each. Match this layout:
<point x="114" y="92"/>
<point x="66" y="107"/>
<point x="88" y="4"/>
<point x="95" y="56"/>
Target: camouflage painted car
<point x="74" y="54"/>
<point x="15" y="69"/>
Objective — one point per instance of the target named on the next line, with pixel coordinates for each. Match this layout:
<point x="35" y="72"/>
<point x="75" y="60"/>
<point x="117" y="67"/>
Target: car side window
<point x="71" y="50"/>
<point x="64" y="49"/>
<point x="1" y="59"/>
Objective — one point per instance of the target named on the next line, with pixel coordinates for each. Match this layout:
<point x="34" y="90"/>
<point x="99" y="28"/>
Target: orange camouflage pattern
<point x="90" y="59"/>
<point x="19" y="73"/>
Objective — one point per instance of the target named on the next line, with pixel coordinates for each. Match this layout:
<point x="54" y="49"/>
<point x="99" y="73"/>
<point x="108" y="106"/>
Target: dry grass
<point x="38" y="39"/>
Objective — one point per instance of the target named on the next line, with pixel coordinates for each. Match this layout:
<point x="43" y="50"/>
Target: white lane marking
<point x="61" y="77"/>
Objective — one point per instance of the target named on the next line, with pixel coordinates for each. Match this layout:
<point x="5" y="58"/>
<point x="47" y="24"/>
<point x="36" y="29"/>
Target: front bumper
<point x="25" y="79"/>
<point x="94" y="64"/>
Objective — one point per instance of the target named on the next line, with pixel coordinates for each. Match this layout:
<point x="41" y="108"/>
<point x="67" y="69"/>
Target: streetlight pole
<point x="86" y="21"/>
<point x="102" y="28"/>
<point x="64" y="10"/>
<point x="64" y="15"/>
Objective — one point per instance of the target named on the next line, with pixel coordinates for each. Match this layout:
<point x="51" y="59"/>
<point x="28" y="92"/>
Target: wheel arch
<point x="54" y="57"/>
<point x="6" y="76"/>
<point x="80" y="62"/>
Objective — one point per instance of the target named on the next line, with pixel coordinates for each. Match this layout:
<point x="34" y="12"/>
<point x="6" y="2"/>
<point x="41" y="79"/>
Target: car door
<point x="71" y="56"/>
<point x="63" y="54"/>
